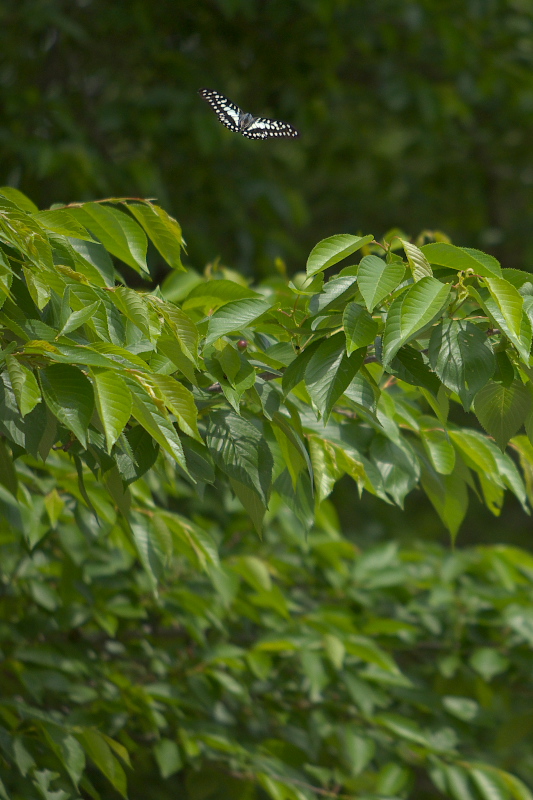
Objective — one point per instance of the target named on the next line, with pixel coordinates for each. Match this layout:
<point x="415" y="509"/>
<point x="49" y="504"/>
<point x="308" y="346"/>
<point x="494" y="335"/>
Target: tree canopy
<point x="147" y="434"/>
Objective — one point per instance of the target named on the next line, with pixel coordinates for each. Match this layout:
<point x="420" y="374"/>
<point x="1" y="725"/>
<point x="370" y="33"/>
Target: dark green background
<point x="412" y="114"/>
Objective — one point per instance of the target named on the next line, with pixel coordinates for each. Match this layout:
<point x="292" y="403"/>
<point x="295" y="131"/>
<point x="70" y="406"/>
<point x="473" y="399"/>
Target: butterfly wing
<point x="227" y="112"/>
<point x="262" y="128"/>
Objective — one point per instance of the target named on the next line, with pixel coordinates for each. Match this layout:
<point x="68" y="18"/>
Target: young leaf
<point x="411" y="312"/>
<point x="420" y="266"/>
<point x="332" y="250"/>
<point x="377" y="279"/>
<point x="461" y="258"/>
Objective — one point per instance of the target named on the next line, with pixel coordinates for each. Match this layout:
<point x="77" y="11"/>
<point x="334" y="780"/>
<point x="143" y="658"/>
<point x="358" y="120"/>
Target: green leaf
<point x="156" y="423"/>
<point x="411" y="312"/>
<point x="332" y="250"/>
<point x="420" y="266"/>
<point x="68" y="750"/>
<point x="488" y="783"/>
<point x="377" y="279"/>
<point x="448" y="495"/>
<point x="100" y="753"/>
<point x="488" y="662"/>
<point x="458" y="783"/>
<point x="357" y="750"/>
<point x="359" y="327"/>
<point x="330" y="371"/>
<point x="138" y="310"/>
<point x="391" y="779"/>
<point x="461" y="707"/>
<point x="24" y="383"/>
<point x="62" y="222"/>
<point x="240" y="451"/>
<point x="462" y="358"/>
<point x="162" y="229"/>
<point x="114" y="404"/>
<point x="409" y="366"/>
<point x="20" y="199"/>
<point x="149" y="550"/>
<point x="117" y="231"/>
<point x="403" y="727"/>
<point x="168" y="757"/>
<point x="502" y="410"/>
<point x="180" y="401"/>
<point x="461" y="258"/>
<point x="69" y="396"/>
<point x="184" y="329"/>
<point x="295" y="371"/>
<point x="210" y="295"/>
<point x="333" y="294"/>
<point x="234" y="317"/>
<point x="78" y="318"/>
<point x="439" y="449"/>
<point x="513" y="320"/>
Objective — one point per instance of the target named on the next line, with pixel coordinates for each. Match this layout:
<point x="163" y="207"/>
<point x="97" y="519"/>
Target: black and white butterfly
<point x="240" y="121"/>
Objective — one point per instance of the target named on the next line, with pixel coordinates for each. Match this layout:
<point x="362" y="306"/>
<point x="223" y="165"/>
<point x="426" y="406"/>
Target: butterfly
<point x="239" y="121"/>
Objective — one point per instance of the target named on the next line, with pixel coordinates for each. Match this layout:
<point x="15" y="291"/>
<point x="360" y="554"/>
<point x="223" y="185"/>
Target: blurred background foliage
<point x="416" y="113"/>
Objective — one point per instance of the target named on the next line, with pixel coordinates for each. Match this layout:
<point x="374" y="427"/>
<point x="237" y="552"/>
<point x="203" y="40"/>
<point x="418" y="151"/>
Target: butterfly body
<point x="243" y="122"/>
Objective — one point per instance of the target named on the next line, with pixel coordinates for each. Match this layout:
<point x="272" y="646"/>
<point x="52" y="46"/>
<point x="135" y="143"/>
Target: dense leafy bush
<point x="142" y="616"/>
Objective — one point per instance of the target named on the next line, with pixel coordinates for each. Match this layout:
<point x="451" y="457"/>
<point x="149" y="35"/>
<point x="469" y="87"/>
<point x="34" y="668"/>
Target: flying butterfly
<point x="240" y="121"/>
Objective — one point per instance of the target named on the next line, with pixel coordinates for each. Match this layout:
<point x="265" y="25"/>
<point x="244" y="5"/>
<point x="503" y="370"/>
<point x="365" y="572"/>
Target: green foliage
<point x="365" y="362"/>
<point x="144" y="619"/>
<point x="243" y="675"/>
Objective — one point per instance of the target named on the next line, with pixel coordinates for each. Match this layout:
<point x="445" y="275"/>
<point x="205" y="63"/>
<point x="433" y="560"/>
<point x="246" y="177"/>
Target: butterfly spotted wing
<point x="239" y="121"/>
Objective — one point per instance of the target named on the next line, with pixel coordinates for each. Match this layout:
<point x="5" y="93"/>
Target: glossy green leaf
<point x="61" y="221"/>
<point x="78" y="318"/>
<point x="502" y="410"/>
<point x="329" y="372"/>
<point x="462" y="357"/>
<point x="240" y="451"/>
<point x="114" y="404"/>
<point x="332" y="250"/>
<point x="24" y="385"/>
<point x="180" y="401"/>
<point x="415" y="309"/>
<point x="117" y="231"/>
<point x="233" y="317"/>
<point x="377" y="279"/>
<point x="210" y="295"/>
<point x="444" y="254"/>
<point x="69" y="396"/>
<point x="508" y="311"/>
<point x="162" y="229"/>
<point x="155" y="422"/>
<point x="420" y="266"/>
<point x="359" y="327"/>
